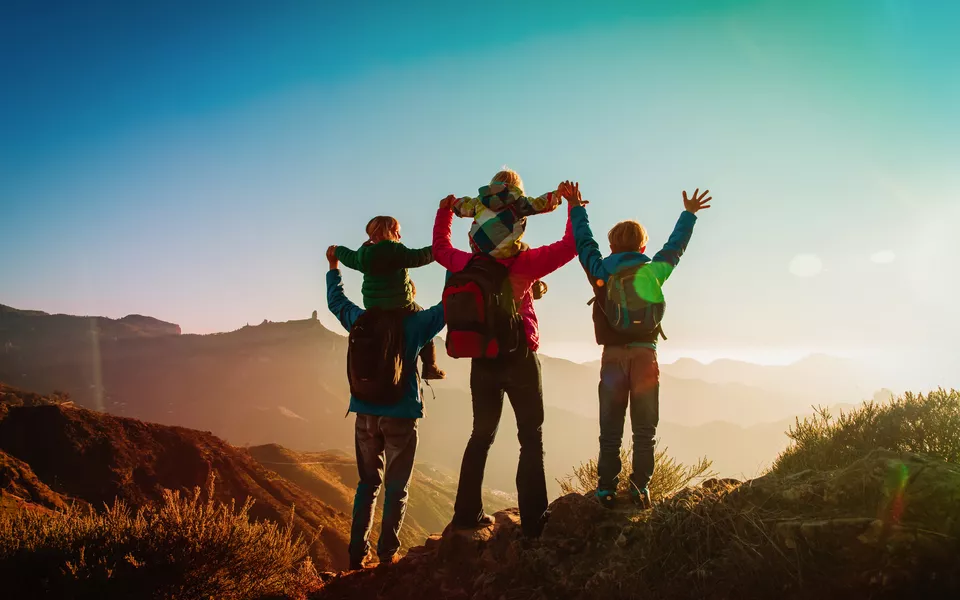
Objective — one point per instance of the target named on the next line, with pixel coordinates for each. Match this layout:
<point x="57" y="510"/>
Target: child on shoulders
<point x="384" y="261"/>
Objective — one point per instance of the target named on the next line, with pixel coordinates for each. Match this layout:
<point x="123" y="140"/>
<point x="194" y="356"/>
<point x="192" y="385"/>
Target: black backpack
<point x="480" y="310"/>
<point x="375" y="366"/>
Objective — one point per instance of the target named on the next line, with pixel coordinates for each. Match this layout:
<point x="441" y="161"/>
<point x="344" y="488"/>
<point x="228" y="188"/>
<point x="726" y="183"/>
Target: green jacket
<point x="386" y="283"/>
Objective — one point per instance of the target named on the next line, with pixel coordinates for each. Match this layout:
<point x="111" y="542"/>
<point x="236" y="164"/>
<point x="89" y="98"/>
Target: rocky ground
<point x="886" y="526"/>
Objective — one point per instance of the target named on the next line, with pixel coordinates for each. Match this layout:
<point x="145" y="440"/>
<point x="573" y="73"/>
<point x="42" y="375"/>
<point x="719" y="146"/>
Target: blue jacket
<point x="418" y="329"/>
<point x="649" y="280"/>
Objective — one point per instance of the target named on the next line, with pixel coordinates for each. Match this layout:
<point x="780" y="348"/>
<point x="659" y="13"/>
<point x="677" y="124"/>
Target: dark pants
<point x="379" y="438"/>
<point x="428" y="354"/>
<point x="628" y="376"/>
<point x="517" y="374"/>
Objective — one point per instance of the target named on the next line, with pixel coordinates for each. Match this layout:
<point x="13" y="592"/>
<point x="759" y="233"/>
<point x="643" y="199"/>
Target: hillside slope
<point x="79" y="454"/>
<point x="841" y="533"/>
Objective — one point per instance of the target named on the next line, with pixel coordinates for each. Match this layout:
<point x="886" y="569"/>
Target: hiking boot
<point x="534" y="532"/>
<point x="358" y="564"/>
<point x="485" y="520"/>
<point x="641" y="498"/>
<point x="388" y="562"/>
<point x="432" y="372"/>
<point x="606" y="498"/>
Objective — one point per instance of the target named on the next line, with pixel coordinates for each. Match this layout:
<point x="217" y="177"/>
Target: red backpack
<point x="480" y="311"/>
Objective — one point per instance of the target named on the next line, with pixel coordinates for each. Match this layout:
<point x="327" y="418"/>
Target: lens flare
<point x="896" y="486"/>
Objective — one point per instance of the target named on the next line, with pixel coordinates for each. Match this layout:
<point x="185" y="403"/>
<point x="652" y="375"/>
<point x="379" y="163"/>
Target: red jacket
<point x="525" y="268"/>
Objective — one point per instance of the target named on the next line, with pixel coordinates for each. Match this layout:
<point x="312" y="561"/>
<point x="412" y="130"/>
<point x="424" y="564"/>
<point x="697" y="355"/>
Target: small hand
<point x="694" y="203"/>
<point x="332" y="258"/>
<point x="573" y="196"/>
<point x="555" y="201"/>
<point x="448" y="202"/>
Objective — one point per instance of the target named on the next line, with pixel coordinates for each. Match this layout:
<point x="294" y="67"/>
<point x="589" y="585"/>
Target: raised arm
<point x="669" y="256"/>
<point x="588" y="250"/>
<point x="526" y="205"/>
<point x="537" y="263"/>
<point x="345" y="311"/>
<point x="444" y="253"/>
<point x="466" y="206"/>
<point x="411" y="258"/>
<point x="348" y="257"/>
<point x="677" y="243"/>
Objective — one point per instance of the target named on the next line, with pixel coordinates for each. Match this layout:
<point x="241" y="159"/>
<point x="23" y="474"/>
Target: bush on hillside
<point x="924" y="424"/>
<point x="185" y="548"/>
<point x="669" y="475"/>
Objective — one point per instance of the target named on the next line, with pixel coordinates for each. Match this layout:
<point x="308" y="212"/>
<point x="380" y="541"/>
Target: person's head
<point x="627" y="236"/>
<point x="383" y="228"/>
<point x="509" y="177"/>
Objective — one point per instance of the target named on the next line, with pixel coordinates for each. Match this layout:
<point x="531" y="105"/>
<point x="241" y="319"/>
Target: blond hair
<point x="383" y="228"/>
<point x="627" y="236"/>
<point x="509" y="177"/>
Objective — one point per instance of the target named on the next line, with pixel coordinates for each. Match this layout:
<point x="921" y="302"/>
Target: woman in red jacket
<point x="516" y="373"/>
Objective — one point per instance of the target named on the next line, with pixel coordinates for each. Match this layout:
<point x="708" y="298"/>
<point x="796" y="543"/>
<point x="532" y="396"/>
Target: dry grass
<point x="669" y="475"/>
<point x="184" y="548"/>
<point x="925" y="424"/>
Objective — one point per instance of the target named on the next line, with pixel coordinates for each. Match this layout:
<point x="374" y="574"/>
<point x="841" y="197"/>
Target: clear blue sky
<point x="191" y="160"/>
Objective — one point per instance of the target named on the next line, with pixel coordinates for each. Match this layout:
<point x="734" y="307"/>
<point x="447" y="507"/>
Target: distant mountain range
<point x="285" y="383"/>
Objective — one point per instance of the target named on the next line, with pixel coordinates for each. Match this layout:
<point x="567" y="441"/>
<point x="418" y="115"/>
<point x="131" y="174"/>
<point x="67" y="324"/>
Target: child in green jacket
<point x="384" y="261"/>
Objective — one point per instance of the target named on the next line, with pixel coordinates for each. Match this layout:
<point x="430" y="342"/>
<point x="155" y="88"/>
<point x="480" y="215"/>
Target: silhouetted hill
<point x="35" y="327"/>
<point x="55" y="453"/>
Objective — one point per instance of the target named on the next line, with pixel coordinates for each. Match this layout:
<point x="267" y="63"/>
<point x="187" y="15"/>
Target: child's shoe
<point x="606" y="498"/>
<point x="641" y="498"/>
<point x="539" y="288"/>
<point x="432" y="372"/>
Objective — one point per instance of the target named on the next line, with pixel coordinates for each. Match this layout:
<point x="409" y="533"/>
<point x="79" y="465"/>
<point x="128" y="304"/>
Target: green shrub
<point x="184" y="548"/>
<point x="926" y="424"/>
<point x="669" y="475"/>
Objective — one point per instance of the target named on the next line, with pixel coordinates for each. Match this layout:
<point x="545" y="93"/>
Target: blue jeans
<point x="628" y="376"/>
<point x="378" y="439"/>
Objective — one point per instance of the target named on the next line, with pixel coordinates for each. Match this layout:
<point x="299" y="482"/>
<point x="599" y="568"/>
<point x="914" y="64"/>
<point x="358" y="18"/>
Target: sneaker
<point x="606" y="498"/>
<point x="432" y="372"/>
<point x="641" y="498"/>
<point x="485" y="520"/>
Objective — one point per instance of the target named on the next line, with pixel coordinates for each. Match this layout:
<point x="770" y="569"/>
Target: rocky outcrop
<point x="885" y="526"/>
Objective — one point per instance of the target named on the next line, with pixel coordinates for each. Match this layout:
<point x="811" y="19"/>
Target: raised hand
<point x="555" y="201"/>
<point x="573" y="194"/>
<point x="448" y="202"/>
<point x="332" y="258"/>
<point x="695" y="203"/>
